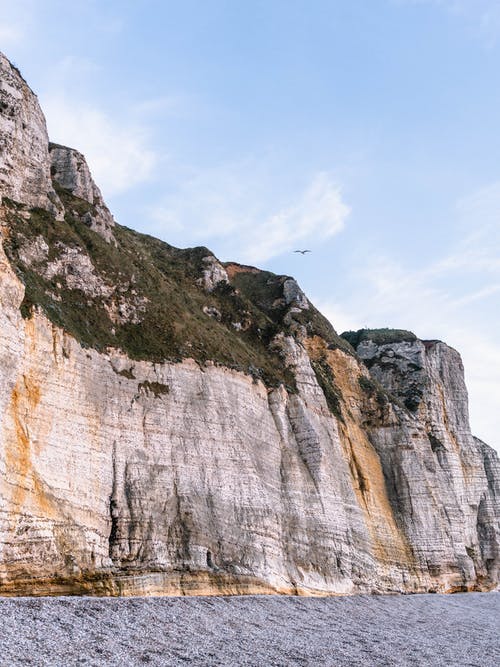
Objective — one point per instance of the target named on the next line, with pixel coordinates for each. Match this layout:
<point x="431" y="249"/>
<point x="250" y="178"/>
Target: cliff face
<point x="460" y="524"/>
<point x="24" y="144"/>
<point x="172" y="425"/>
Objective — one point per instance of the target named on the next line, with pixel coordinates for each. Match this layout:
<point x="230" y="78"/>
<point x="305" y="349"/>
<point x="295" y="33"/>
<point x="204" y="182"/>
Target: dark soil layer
<point x="433" y="630"/>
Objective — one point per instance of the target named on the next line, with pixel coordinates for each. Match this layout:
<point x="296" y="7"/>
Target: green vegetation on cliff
<point x="144" y="296"/>
<point x="378" y="336"/>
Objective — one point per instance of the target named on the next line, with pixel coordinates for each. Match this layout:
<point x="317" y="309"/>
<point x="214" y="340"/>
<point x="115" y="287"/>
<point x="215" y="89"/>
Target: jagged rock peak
<point x="24" y="145"/>
<point x="35" y="173"/>
<point x="407" y="366"/>
<point x="70" y="171"/>
<point x="378" y="336"/>
<point x="293" y="295"/>
<point x="213" y="273"/>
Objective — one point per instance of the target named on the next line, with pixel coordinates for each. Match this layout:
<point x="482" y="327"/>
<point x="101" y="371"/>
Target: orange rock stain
<point x="367" y="476"/>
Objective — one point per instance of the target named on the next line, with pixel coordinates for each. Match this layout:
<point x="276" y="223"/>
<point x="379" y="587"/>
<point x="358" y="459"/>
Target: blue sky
<point x="366" y="130"/>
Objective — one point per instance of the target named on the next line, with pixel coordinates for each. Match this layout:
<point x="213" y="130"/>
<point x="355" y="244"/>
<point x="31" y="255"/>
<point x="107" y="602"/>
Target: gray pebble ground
<point x="255" y="630"/>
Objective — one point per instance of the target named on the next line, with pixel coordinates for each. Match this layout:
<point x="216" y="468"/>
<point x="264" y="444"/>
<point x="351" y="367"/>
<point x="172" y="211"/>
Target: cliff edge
<point x="173" y="424"/>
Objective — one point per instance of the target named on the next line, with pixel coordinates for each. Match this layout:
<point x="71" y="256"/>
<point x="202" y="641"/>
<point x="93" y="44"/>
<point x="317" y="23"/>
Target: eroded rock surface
<point x="24" y="145"/>
<point x="459" y="519"/>
<point x="70" y="171"/>
<point x="213" y="273"/>
<point x="172" y="425"/>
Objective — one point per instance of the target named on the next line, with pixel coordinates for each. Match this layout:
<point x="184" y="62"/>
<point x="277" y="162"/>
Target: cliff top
<point x="381" y="336"/>
<point x="5" y="62"/>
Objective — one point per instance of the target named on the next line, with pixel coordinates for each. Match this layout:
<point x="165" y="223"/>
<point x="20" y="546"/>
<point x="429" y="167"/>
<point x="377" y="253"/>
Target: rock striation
<point x="173" y="425"/>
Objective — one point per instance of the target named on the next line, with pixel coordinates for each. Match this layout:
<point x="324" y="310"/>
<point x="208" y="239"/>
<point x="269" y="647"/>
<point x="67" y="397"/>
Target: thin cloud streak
<point x="318" y="215"/>
<point x="218" y="206"/>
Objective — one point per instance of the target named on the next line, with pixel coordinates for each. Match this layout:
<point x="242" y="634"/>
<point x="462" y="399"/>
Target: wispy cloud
<point x="222" y="204"/>
<point x="318" y="214"/>
<point x="237" y="203"/>
<point x="119" y="152"/>
<point x="118" y="147"/>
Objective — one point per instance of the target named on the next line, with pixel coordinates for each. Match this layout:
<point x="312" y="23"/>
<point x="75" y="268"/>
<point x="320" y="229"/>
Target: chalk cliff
<point x="170" y="424"/>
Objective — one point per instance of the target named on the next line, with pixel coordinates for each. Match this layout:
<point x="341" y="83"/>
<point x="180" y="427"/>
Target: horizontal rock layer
<point x="121" y="474"/>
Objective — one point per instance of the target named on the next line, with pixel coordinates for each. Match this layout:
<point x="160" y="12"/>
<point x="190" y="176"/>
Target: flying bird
<point x="302" y="252"/>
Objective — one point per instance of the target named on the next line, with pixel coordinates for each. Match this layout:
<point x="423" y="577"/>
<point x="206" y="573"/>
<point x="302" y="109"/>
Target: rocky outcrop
<point x="459" y="521"/>
<point x="172" y="425"/>
<point x="70" y="171"/>
<point x="213" y="273"/>
<point x="24" y="145"/>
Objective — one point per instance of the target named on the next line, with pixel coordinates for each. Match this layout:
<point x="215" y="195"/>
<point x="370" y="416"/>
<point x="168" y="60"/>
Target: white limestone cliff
<point x="126" y="476"/>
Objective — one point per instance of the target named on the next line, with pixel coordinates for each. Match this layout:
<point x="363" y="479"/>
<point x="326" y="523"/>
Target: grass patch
<point x="378" y="336"/>
<point x="265" y="291"/>
<point x="372" y="388"/>
<point x="157" y="389"/>
<point x="326" y="380"/>
<point x="126" y="373"/>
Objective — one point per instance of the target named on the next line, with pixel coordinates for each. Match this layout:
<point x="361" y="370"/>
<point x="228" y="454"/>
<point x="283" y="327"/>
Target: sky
<point x="364" y="130"/>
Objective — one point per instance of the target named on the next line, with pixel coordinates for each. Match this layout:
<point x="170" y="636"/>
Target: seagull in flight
<point x="302" y="252"/>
